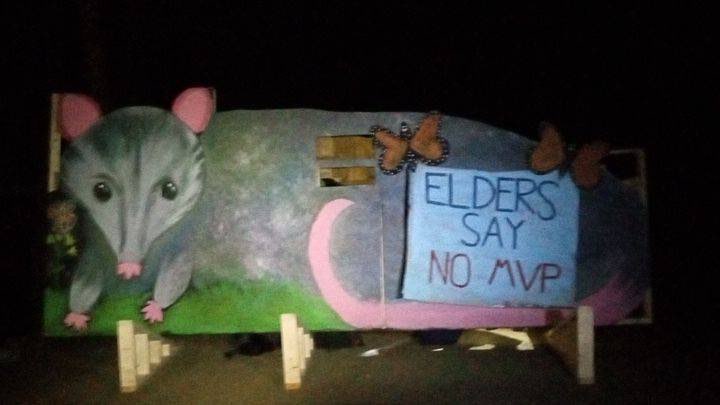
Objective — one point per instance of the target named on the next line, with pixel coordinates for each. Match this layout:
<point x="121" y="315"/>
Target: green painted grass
<point x="221" y="308"/>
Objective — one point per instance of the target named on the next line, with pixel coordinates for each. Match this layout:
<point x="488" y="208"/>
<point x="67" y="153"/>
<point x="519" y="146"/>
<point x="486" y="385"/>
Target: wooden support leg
<point x="136" y="354"/>
<point x="574" y="341"/>
<point x="126" y="356"/>
<point x="308" y="345"/>
<point x="290" y="350"/>
<point x="648" y="306"/>
<point x="301" y="349"/>
<point x="586" y="345"/>
<point x="165" y="349"/>
<point x="142" y="354"/>
<point x="155" y="352"/>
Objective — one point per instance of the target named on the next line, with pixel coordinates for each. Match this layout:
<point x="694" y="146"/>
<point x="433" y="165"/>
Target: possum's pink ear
<point x="76" y="113"/>
<point x="195" y="106"/>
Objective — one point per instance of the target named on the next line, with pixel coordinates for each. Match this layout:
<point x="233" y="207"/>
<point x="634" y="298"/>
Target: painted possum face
<point x="137" y="171"/>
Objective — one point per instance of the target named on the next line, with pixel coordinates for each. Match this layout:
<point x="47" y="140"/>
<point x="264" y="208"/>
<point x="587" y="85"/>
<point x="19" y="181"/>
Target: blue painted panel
<point x="491" y="238"/>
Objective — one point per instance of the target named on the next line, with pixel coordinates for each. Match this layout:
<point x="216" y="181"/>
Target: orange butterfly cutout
<point x="551" y="153"/>
<point x="586" y="168"/>
<point x="425" y="144"/>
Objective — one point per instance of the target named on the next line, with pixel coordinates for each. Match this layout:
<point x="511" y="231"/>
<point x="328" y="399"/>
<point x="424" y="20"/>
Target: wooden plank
<point x="639" y="183"/>
<point x="308" y="345"/>
<point x="585" y="345"/>
<point x="55" y="146"/>
<point x="165" y="349"/>
<point x="574" y="342"/>
<point x="648" y="305"/>
<point x="126" y="356"/>
<point x="301" y="349"/>
<point x="344" y="147"/>
<point x="142" y="354"/>
<point x="347" y="176"/>
<point x="290" y="352"/>
<point x="642" y="170"/>
<point x="155" y="352"/>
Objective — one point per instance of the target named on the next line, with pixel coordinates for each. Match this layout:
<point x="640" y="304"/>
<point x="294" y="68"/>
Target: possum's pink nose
<point x="128" y="270"/>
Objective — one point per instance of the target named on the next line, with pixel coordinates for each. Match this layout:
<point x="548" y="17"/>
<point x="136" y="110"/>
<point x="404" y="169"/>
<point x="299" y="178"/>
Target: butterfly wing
<point x="393" y="155"/>
<point x="586" y="168"/>
<point x="427" y="143"/>
<point x="550" y="152"/>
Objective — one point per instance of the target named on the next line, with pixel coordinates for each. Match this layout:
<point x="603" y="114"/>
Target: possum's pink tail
<point x="612" y="302"/>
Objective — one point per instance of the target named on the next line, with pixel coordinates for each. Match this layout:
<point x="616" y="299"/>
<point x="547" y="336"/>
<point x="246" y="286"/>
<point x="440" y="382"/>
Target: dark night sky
<point x="635" y="75"/>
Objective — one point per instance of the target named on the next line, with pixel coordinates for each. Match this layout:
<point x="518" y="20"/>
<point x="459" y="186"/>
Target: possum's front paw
<point x="77" y="321"/>
<point x="153" y="312"/>
<point x="128" y="270"/>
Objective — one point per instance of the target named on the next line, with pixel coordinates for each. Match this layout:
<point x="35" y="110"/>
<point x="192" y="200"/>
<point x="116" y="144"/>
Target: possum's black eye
<point x="169" y="190"/>
<point x="102" y="192"/>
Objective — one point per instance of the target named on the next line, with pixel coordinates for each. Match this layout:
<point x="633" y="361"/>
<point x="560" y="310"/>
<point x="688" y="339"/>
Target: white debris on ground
<point x="376" y="351"/>
<point x="487" y="346"/>
<point x="370" y="353"/>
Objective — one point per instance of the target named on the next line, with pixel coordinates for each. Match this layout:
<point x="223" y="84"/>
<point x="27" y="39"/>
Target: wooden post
<point x="165" y="349"/>
<point x="136" y="354"/>
<point x="297" y="347"/>
<point x="155" y="352"/>
<point x="290" y="350"/>
<point x="308" y="345"/>
<point x="586" y="345"/>
<point x="126" y="356"/>
<point x="574" y="341"/>
<point x="142" y="354"/>
<point x="639" y="183"/>
<point x="54" y="147"/>
<point x="301" y="349"/>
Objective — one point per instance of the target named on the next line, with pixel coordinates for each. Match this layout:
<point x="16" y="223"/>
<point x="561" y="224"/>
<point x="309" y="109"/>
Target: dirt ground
<point x="631" y="367"/>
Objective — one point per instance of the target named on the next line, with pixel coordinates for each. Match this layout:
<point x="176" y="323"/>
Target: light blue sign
<point x="491" y="238"/>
